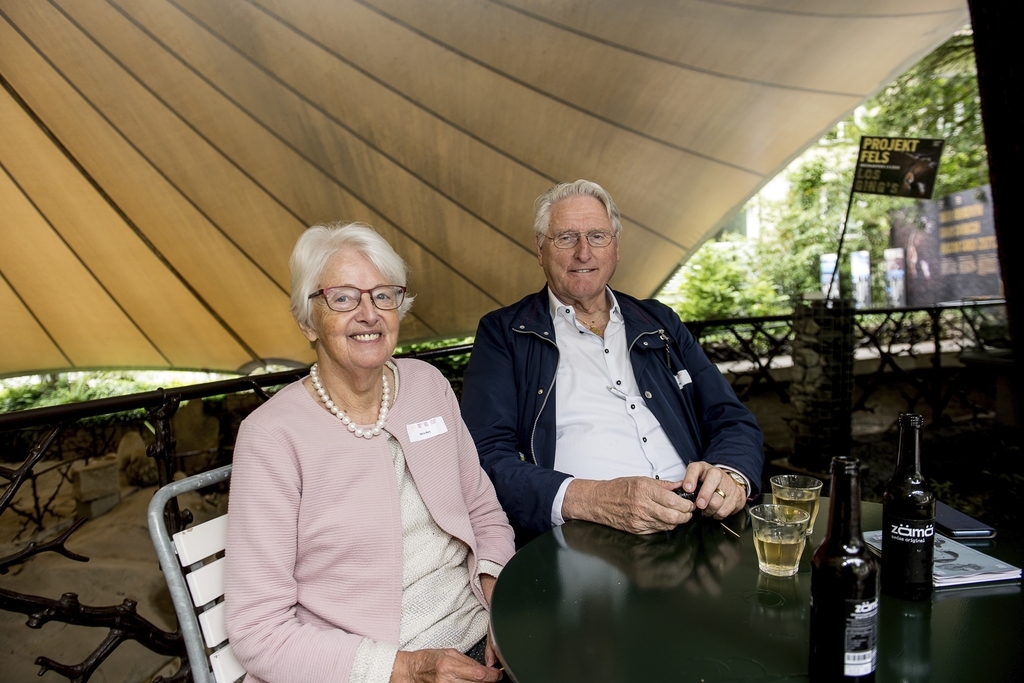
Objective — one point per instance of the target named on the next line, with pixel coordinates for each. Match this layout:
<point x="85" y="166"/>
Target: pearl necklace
<point x="378" y="426"/>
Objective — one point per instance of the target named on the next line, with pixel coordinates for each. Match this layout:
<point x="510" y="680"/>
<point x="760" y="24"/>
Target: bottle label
<point x="908" y="547"/>
<point x="861" y="651"/>
<point x="910" y="532"/>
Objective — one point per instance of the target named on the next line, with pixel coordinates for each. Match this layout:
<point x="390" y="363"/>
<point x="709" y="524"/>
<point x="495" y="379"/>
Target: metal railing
<point x="749" y="348"/>
<point x="915" y="344"/>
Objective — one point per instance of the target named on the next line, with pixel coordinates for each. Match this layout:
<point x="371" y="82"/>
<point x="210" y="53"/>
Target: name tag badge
<point x="418" y="431"/>
<point x="683" y="378"/>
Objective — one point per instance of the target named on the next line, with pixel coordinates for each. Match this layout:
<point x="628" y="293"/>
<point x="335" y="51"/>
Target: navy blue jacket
<point x="508" y="401"/>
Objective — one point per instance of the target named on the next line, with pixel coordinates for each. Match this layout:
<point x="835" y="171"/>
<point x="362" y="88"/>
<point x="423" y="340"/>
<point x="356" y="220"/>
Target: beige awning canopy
<point x="158" y="158"/>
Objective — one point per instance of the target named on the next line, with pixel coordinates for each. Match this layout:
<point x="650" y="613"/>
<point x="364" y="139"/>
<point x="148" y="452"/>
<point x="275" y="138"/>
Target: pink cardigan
<point x="314" y="549"/>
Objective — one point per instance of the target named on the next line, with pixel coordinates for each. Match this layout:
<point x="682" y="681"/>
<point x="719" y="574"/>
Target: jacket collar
<point x="535" y="317"/>
<point x="640" y="322"/>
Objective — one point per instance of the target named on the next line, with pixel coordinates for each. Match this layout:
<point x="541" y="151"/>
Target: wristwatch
<point x="739" y="480"/>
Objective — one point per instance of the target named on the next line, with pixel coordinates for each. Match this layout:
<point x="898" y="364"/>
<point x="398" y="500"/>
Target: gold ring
<point x="720" y="492"/>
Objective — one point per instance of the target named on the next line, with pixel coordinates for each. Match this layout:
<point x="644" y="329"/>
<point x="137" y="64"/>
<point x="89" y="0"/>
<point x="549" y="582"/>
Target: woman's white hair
<point x="581" y="188"/>
<point x="318" y="244"/>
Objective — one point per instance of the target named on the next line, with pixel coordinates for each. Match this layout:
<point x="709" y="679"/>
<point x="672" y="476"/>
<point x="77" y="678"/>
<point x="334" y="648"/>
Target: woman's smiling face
<point x="359" y="340"/>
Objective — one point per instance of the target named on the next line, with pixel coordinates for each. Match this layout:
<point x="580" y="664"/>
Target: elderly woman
<point x="363" y="537"/>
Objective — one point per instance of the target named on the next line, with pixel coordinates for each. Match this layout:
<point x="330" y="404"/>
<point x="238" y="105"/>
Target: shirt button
<point x="522" y="327"/>
<point x="655" y="476"/>
<point x="540" y="391"/>
<point x="645" y="441"/>
<point x="545" y="334"/>
<point x="632" y="406"/>
<point x="645" y="343"/>
<point x="607" y="351"/>
<point x="647" y="394"/>
<point x="618" y="382"/>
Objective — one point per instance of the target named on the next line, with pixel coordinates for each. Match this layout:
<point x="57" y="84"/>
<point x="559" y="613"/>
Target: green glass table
<point x="591" y="604"/>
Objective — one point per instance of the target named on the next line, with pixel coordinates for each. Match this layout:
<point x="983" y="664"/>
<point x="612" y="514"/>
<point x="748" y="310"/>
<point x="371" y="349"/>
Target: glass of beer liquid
<point x="780" y="532"/>
<point x="798" y="491"/>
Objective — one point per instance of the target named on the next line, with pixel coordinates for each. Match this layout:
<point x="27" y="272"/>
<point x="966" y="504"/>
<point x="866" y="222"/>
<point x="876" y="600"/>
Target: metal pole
<point x="839" y="252"/>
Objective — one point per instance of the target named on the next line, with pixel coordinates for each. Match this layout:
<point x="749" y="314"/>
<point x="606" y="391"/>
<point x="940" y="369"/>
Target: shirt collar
<point x="554" y="304"/>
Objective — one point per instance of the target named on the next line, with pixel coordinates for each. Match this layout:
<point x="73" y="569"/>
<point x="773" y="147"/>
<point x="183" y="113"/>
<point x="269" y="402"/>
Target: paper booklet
<point x="956" y="564"/>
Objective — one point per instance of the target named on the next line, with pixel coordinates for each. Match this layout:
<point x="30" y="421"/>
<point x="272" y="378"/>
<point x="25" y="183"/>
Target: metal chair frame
<point x="173" y="551"/>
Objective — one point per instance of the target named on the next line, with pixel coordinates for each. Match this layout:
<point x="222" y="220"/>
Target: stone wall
<point x="821" y="388"/>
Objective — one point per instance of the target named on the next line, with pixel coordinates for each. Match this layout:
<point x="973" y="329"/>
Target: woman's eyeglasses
<point x="344" y="299"/>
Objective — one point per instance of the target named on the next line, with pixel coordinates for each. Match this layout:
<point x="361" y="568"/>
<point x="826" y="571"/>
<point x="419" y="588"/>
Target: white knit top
<point x="439" y="609"/>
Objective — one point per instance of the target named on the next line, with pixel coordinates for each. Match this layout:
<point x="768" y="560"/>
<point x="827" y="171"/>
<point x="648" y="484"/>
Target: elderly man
<point x="586" y="403"/>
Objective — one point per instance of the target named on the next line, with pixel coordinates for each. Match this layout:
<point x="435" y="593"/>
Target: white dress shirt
<point x="603" y="427"/>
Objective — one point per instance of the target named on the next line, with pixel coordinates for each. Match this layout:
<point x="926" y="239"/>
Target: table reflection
<point x="694" y="556"/>
<point x="587" y="603"/>
<point x="905" y="635"/>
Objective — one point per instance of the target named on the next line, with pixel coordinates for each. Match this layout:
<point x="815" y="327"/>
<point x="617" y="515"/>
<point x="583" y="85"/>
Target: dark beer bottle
<point x="844" y="588"/>
<point x="908" y="520"/>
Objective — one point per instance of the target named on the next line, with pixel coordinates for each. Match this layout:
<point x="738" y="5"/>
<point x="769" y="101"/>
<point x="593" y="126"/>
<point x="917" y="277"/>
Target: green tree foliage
<point x="719" y="282"/>
<point x="808" y="223"/>
<point x="73" y="387"/>
<point x="451" y="365"/>
<point x="60" y="389"/>
<point x="803" y="225"/>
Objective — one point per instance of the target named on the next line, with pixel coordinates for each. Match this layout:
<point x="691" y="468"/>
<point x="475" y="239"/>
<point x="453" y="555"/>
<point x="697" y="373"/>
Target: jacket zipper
<point x="547" y="393"/>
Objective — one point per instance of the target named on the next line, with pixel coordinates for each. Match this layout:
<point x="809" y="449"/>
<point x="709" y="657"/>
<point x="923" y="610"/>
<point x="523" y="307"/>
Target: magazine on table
<point x="957" y="564"/>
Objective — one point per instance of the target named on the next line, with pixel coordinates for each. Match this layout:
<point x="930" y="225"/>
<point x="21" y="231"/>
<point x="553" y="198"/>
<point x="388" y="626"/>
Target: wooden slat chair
<point x="193" y="564"/>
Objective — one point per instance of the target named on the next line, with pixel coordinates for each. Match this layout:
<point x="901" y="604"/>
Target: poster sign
<point x="897" y="167"/>
<point x="895" y="278"/>
<point x="950" y="248"/>
<point x="860" y="272"/>
<point x="915" y="230"/>
<point x="967" y="245"/>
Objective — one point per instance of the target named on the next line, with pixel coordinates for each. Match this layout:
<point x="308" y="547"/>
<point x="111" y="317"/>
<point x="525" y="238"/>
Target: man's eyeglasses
<point x="344" y="299"/>
<point x="596" y="239"/>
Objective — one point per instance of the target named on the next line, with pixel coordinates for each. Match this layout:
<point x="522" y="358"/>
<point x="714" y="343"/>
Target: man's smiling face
<point x="577" y="276"/>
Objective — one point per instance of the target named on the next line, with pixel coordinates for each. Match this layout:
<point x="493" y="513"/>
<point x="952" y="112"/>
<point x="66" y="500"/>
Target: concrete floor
<point x="122" y="565"/>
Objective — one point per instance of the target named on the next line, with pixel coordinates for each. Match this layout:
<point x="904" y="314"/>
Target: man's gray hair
<point x="318" y="244"/>
<point x="581" y="188"/>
